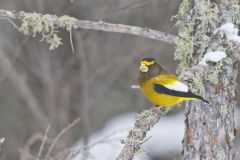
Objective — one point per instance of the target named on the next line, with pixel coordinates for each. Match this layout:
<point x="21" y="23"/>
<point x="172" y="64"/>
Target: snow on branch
<point x="47" y="25"/>
<point x="231" y="32"/>
<point x="213" y="57"/>
<point x="137" y="136"/>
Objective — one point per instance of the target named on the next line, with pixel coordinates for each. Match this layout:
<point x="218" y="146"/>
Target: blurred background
<point x="39" y="87"/>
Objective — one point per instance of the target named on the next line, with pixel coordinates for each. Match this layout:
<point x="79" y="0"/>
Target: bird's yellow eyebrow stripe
<point x="147" y="63"/>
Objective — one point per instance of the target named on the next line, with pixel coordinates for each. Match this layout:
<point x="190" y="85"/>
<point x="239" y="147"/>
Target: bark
<point x="137" y="135"/>
<point x="209" y="128"/>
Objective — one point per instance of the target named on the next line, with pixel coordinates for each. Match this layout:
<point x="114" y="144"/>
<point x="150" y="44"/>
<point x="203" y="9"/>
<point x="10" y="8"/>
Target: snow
<point x="213" y="57"/>
<point x="231" y="32"/>
<point x="167" y="135"/>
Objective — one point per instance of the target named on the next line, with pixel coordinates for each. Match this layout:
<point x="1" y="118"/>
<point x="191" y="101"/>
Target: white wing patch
<point x="177" y="86"/>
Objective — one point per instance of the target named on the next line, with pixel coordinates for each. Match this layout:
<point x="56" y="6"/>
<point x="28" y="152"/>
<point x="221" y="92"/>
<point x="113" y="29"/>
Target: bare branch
<point x="20" y="81"/>
<point x="59" y="136"/>
<point x="134" y="30"/>
<point x="137" y="136"/>
<point x="103" y="26"/>
<point x="43" y="143"/>
<point x="2" y="140"/>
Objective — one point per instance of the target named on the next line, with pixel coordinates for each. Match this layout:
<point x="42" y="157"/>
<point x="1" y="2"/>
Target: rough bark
<point x="137" y="136"/>
<point x="209" y="128"/>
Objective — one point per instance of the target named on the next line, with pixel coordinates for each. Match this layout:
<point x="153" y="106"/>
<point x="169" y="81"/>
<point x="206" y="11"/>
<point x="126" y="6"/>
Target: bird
<point x="161" y="87"/>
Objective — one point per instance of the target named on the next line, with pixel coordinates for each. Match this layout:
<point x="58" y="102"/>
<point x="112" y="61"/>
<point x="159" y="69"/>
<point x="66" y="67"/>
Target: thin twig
<point x="105" y="139"/>
<point x="71" y="40"/>
<point x="134" y="86"/>
<point x="2" y="140"/>
<point x="11" y="22"/>
<point x="59" y="136"/>
<point x="43" y="143"/>
<point x="104" y="26"/>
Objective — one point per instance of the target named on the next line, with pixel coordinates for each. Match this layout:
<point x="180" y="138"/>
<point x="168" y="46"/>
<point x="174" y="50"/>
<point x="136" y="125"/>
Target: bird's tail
<point x="198" y="97"/>
<point x="201" y="98"/>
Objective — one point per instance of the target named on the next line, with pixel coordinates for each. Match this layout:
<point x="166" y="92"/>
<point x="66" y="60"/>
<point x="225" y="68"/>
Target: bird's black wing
<point x="164" y="90"/>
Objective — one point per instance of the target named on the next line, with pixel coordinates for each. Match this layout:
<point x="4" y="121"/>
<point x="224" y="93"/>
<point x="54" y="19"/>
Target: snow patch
<point x="213" y="57"/>
<point x="231" y="32"/>
<point x="167" y="135"/>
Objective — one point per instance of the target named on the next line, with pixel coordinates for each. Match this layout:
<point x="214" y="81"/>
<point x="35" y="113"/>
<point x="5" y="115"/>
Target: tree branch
<point x="137" y="136"/>
<point x="146" y="119"/>
<point x="103" y="26"/>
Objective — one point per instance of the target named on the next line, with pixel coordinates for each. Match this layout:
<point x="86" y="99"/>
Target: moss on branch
<point x="47" y="26"/>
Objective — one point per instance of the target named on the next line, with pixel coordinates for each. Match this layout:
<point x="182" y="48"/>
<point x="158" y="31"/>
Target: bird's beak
<point x="143" y="68"/>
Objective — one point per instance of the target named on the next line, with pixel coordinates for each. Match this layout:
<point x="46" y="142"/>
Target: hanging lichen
<point x="234" y="11"/>
<point x="47" y="26"/>
<point x="192" y="31"/>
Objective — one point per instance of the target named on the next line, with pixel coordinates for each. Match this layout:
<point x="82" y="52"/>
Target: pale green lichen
<point x="193" y="41"/>
<point x="212" y="76"/>
<point x="136" y="133"/>
<point x="224" y="110"/>
<point x="231" y="136"/>
<point x="194" y="81"/>
<point x="144" y="114"/>
<point x="53" y="40"/>
<point x="67" y="22"/>
<point x="210" y="9"/>
<point x="213" y="73"/>
<point x="184" y="24"/>
<point x="234" y="11"/>
<point x="47" y="26"/>
<point x="133" y="139"/>
<point x="229" y="45"/>
<point x="34" y="23"/>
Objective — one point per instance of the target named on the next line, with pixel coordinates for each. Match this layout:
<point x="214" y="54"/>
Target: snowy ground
<point x="166" y="137"/>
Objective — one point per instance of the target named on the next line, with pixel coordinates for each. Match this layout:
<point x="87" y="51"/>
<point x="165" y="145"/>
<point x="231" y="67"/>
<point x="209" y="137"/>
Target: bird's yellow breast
<point x="156" y="98"/>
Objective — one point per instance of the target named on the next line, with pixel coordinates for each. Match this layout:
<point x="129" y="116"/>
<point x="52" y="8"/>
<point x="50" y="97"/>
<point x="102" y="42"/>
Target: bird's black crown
<point x="148" y="59"/>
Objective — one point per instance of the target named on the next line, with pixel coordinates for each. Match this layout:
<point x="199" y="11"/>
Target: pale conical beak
<point x="143" y="68"/>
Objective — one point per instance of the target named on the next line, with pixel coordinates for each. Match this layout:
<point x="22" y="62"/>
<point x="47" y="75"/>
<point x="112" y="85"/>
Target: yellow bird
<point x="161" y="87"/>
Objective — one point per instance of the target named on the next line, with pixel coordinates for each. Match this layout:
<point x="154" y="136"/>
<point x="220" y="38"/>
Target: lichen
<point x="185" y="26"/>
<point x="194" y="81"/>
<point x="224" y="110"/>
<point x="234" y="11"/>
<point x="213" y="73"/>
<point x="136" y="133"/>
<point x="192" y="39"/>
<point x="47" y="26"/>
<point x="144" y="114"/>
<point x="133" y="138"/>
<point x="231" y="136"/>
<point x="67" y="22"/>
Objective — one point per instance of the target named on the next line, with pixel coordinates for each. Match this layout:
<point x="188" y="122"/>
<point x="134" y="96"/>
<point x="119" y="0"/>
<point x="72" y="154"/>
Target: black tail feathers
<point x="199" y="97"/>
<point x="204" y="100"/>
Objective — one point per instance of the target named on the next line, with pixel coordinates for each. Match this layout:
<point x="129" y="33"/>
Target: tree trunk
<point x="209" y="128"/>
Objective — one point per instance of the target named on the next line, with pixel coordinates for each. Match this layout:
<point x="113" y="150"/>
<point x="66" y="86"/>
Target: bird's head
<point x="147" y="65"/>
<point x="148" y="69"/>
